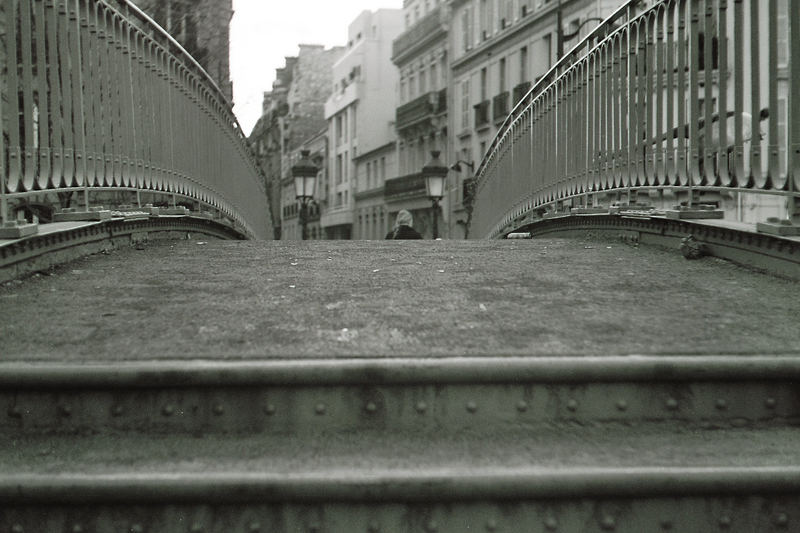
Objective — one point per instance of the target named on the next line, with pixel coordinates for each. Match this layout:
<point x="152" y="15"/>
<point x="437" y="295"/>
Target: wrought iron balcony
<point x="500" y="107"/>
<point x="411" y="185"/>
<point x="481" y="114"/>
<point x="428" y="26"/>
<point x="421" y="108"/>
<point x="520" y="90"/>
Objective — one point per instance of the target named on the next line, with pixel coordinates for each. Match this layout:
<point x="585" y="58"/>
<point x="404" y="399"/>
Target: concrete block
<point x="775" y="226"/>
<point x="71" y="214"/>
<point x="18" y="229"/>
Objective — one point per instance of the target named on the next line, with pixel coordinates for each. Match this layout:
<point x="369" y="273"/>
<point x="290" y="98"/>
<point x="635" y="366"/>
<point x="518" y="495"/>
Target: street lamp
<point x="435" y="174"/>
<point x="561" y="37"/>
<point x="457" y="165"/>
<point x="304" y="173"/>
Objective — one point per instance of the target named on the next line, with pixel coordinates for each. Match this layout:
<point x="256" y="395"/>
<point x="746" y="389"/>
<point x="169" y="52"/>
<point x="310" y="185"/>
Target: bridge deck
<point x="231" y="299"/>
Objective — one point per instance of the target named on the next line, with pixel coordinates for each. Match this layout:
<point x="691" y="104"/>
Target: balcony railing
<point x="481" y="114"/>
<point x="500" y="106"/>
<point x="429" y="25"/>
<point x="98" y="97"/>
<point x="421" y="108"/>
<point x="410" y="185"/>
<point x="520" y="90"/>
<point x="605" y="120"/>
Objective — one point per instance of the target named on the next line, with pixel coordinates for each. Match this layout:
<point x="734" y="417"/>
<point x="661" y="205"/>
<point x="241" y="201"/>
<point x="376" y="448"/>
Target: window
<point x="523" y="64"/>
<point x="422" y="80"/>
<point x="433" y="76"/>
<point x="466" y="28"/>
<point x="465" y="104"/>
<point x="411" y="88"/>
<point x="369" y="175"/>
<point x="483" y="84"/>
<point x="354" y="123"/>
<point x="502" y="74"/>
<point x="403" y="91"/>
<point x="383" y="168"/>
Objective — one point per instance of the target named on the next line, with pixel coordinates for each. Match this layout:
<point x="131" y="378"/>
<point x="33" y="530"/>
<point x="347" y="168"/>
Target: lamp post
<point x="435" y="174"/>
<point x="561" y="37"/>
<point x="304" y="173"/>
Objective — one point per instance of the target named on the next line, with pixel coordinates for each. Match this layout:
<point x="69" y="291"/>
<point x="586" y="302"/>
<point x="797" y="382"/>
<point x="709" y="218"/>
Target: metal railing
<point x="96" y="97"/>
<point x="637" y="105"/>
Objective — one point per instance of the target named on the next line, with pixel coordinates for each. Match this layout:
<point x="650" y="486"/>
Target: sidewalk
<point x="243" y="299"/>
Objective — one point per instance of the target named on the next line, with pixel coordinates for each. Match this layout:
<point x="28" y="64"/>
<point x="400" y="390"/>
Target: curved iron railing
<point x="630" y="107"/>
<point x="96" y="97"/>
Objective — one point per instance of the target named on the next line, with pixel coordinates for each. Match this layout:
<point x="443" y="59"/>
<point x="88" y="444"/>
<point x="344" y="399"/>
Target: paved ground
<point x="188" y="299"/>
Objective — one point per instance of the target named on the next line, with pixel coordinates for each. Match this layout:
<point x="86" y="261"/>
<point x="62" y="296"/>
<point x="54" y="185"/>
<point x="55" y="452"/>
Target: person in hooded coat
<point x="403" y="227"/>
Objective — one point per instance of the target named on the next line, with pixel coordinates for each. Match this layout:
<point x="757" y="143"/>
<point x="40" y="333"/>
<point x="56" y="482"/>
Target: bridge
<point x="166" y="369"/>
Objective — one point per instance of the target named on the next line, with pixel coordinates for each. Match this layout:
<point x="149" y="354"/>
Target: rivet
<point x="65" y="410"/>
<point x="196" y="528"/>
<point x="472" y="407"/>
<point x="117" y="410"/>
<point x="491" y="525"/>
<point x="522" y="406"/>
<point x="622" y="405"/>
<point x="218" y="409"/>
<point x="136" y="528"/>
<point x="608" y="523"/>
<point x="666" y="525"/>
<point x="371" y="407"/>
<point x="77" y="528"/>
<point x="314" y="528"/>
<point x="373" y="527"/>
<point x="671" y="404"/>
<point x="320" y="409"/>
<point x="770" y="403"/>
<point x="17" y="528"/>
<point x="269" y="409"/>
<point x="168" y="410"/>
<point x="431" y="526"/>
<point x="551" y="523"/>
<point x="14" y="412"/>
<point x="722" y="404"/>
<point x="782" y="519"/>
<point x="725" y="522"/>
<point x="421" y="407"/>
<point x="572" y="405"/>
<point x="254" y="526"/>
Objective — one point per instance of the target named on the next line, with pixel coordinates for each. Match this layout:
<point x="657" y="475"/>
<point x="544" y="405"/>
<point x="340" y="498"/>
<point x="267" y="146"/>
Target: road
<point x="244" y="299"/>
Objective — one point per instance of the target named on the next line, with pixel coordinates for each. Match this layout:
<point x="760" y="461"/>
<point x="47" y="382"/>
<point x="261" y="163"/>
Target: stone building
<point x="421" y="56"/>
<point x="498" y="49"/>
<point x="360" y="115"/>
<point x="292" y="113"/>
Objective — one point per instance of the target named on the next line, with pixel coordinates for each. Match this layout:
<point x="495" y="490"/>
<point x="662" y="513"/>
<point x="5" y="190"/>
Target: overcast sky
<point x="263" y="32"/>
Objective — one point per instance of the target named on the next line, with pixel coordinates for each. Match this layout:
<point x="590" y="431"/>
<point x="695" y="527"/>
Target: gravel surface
<point x="577" y="446"/>
<point x="243" y="299"/>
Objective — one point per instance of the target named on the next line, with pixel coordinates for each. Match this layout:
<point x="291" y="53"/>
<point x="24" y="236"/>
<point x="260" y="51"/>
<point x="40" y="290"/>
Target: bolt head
<point x="421" y="407"/>
<point x="782" y="519"/>
<point x="666" y="525"/>
<point x="77" y="528"/>
<point x="137" y="528"/>
<point x="314" y="528"/>
<point x="491" y="525"/>
<point x="431" y="526"/>
<point x="218" y="409"/>
<point x="551" y="523"/>
<point x="770" y="403"/>
<point x="65" y="410"/>
<point x="254" y="526"/>
<point x="373" y="527"/>
<point x="724" y="522"/>
<point x="472" y="406"/>
<point x="117" y="410"/>
<point x="320" y="409"/>
<point x="371" y="407"/>
<point x="17" y="528"/>
<point x="608" y="523"/>
<point x="622" y="405"/>
<point x="572" y="404"/>
<point x="522" y="406"/>
<point x="270" y="409"/>
<point x="671" y="404"/>
<point x="168" y="410"/>
<point x="196" y="528"/>
<point x="721" y="404"/>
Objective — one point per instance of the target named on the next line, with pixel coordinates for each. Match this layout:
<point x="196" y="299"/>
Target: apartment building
<point x="421" y="56"/>
<point x="360" y="115"/>
<point x="498" y="49"/>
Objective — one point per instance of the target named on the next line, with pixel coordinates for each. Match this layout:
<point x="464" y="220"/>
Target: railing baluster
<point x="725" y="141"/>
<point x="756" y="145"/>
<point x="14" y="142"/>
<point x="43" y="98"/>
<point x="775" y="175"/>
<point x="793" y="117"/>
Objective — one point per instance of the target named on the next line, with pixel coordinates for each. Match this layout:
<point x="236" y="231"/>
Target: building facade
<point x="499" y="49"/>
<point x="360" y="113"/>
<point x="422" y="59"/>
<point x="203" y="29"/>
